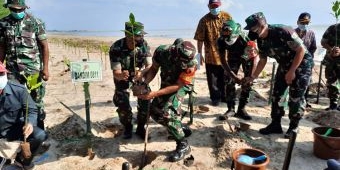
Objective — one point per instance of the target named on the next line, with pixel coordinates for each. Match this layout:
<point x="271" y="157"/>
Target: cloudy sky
<point x="108" y="15"/>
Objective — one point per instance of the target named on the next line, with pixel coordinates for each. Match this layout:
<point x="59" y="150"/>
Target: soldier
<point x="130" y="56"/>
<point x="233" y="46"/>
<point x="24" y="46"/>
<point x="332" y="61"/>
<point x="178" y="66"/>
<point x="294" y="70"/>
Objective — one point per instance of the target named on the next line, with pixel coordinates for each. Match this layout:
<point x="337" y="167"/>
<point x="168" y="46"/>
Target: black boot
<point x="229" y="112"/>
<point x="273" y="127"/>
<point x="140" y="131"/>
<point x="182" y="149"/>
<point x="242" y="113"/>
<point x="293" y="125"/>
<point x="128" y="132"/>
<point x="332" y="106"/>
<point x="41" y="118"/>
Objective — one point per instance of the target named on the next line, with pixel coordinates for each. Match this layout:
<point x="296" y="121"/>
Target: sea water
<point x="188" y="34"/>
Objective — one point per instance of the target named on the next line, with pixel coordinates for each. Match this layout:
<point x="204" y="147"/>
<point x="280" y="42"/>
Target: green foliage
<point x="336" y="9"/>
<point x="32" y="82"/>
<point x="3" y="11"/>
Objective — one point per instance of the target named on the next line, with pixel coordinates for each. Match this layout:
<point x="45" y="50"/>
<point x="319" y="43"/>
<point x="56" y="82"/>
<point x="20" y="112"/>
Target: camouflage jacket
<point x="123" y="58"/>
<point x="234" y="51"/>
<point x="331" y="38"/>
<point x="280" y="45"/>
<point x="171" y="68"/>
<point x="20" y="39"/>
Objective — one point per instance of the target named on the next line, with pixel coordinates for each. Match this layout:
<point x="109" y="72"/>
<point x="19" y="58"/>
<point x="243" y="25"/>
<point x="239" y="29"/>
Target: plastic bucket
<point x="252" y="153"/>
<point x="326" y="147"/>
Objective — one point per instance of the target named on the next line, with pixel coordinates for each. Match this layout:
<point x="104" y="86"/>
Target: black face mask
<point x="139" y="43"/>
<point x="253" y="35"/>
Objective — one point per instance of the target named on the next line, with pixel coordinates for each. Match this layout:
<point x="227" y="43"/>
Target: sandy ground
<point x="212" y="141"/>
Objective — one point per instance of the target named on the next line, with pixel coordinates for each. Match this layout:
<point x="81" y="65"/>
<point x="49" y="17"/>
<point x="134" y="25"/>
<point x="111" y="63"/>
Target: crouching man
<point x="16" y="107"/>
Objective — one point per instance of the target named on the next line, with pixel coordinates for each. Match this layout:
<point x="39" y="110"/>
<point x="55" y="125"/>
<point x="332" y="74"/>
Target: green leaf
<point x="132" y="18"/>
<point x="32" y="82"/>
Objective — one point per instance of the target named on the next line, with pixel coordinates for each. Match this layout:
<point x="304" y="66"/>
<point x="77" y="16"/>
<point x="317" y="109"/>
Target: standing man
<point x="207" y="32"/>
<point x="130" y="56"/>
<point x="294" y="70"/>
<point x="178" y="66"/>
<point x="16" y="106"/>
<point x="23" y="44"/>
<point x="330" y="40"/>
<point x="308" y="38"/>
<point x="233" y="47"/>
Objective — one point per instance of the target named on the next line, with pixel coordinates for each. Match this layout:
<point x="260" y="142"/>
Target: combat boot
<point x="141" y="132"/>
<point x="332" y="106"/>
<point x="182" y="149"/>
<point x="229" y="112"/>
<point x="293" y="125"/>
<point x="128" y="132"/>
<point x="273" y="127"/>
<point x="243" y="114"/>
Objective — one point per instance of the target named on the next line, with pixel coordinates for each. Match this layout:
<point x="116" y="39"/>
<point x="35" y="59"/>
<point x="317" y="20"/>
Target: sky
<point x="110" y="15"/>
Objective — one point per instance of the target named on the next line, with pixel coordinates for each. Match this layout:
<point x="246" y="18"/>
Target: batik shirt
<point x="20" y="38"/>
<point x="280" y="44"/>
<point x="208" y="31"/>
<point x="308" y="39"/>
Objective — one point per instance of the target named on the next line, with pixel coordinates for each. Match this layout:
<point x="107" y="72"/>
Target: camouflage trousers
<point x="297" y="89"/>
<point x="230" y="89"/>
<point x="166" y="110"/>
<point x="121" y="99"/>
<point x="332" y="74"/>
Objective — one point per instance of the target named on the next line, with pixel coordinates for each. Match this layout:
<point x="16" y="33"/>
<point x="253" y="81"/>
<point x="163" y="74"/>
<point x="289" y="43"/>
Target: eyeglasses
<point x="17" y="10"/>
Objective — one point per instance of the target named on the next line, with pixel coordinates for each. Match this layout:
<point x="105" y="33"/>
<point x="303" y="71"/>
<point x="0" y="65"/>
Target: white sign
<point x="86" y="71"/>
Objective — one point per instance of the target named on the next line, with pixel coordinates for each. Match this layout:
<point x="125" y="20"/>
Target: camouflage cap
<point x="134" y="29"/>
<point x="254" y="19"/>
<point x="18" y="4"/>
<point x="232" y="26"/>
<point x="186" y="52"/>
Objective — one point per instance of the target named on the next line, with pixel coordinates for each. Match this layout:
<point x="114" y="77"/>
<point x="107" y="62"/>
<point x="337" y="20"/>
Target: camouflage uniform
<point x="166" y="110"/>
<point x="123" y="58"/>
<point x="280" y="49"/>
<point x="23" y="54"/>
<point x="332" y="70"/>
<point x="236" y="58"/>
<point x="284" y="45"/>
<point x="175" y="63"/>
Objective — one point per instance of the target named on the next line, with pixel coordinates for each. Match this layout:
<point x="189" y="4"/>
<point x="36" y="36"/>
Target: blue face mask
<point x="215" y="11"/>
<point x="19" y="15"/>
<point x="303" y="27"/>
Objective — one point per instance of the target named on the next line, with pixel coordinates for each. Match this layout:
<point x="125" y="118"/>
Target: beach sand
<point x="212" y="141"/>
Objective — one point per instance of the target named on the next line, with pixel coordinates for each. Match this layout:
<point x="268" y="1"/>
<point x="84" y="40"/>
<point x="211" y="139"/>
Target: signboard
<point x="86" y="71"/>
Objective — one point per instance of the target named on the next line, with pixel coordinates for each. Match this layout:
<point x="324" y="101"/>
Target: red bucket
<point x="326" y="147"/>
<point x="252" y="153"/>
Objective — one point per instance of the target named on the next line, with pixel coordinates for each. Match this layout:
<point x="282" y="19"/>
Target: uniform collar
<point x="7" y="90"/>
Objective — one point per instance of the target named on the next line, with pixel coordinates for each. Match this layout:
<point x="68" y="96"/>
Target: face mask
<point x="231" y="40"/>
<point x="303" y="27"/>
<point x="3" y="81"/>
<point x="215" y="11"/>
<point x="19" y="15"/>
